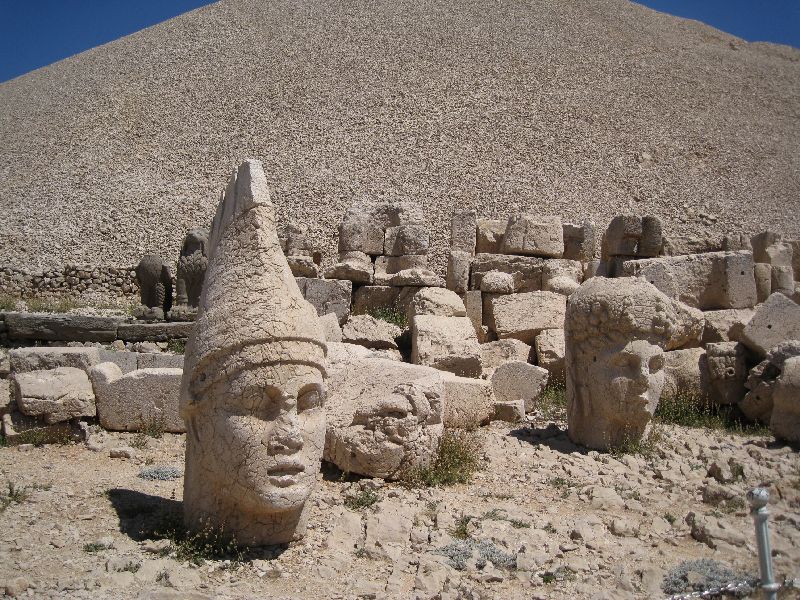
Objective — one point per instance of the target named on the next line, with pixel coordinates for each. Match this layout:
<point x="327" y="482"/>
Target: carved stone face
<point x="264" y="444"/>
<point x="727" y="371"/>
<point x="635" y="377"/>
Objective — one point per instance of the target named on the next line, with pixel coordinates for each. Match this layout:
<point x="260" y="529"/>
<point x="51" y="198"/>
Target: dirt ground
<point x="541" y="519"/>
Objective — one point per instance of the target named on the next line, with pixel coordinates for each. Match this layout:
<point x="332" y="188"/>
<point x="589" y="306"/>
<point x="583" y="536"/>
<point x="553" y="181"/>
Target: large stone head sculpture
<point x="253" y="384"/>
<point x="616" y="331"/>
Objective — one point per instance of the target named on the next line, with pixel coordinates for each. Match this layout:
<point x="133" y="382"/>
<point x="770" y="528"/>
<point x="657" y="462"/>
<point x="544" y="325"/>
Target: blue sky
<point x="35" y="33"/>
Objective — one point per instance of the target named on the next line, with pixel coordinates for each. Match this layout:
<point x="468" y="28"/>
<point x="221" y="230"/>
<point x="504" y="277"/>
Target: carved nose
<point x="286" y="437"/>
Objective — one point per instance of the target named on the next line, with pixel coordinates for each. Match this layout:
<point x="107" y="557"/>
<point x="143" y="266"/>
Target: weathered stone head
<point x="616" y="331"/>
<point x="253" y="388"/>
<point x="727" y="371"/>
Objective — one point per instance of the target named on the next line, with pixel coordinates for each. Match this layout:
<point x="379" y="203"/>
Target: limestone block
<point x="328" y="295"/>
<point x="785" y="420"/>
<point x="782" y="280"/>
<point x="352" y="266"/>
<point x="382" y="416"/>
<point x="489" y="235"/>
<point x="370" y="332"/>
<point x="494" y="354"/>
<point x="159" y="360"/>
<point x="23" y="360"/>
<point x="592" y="269"/>
<point x="342" y="352"/>
<point x="55" y="395"/>
<point x="361" y="233"/>
<point x="416" y="278"/>
<point x="473" y="303"/>
<point x="61" y="327"/>
<point x="370" y="298"/>
<point x="758" y="402"/>
<point x="524" y="316"/>
<point x="437" y="301"/>
<point x="510" y="411"/>
<point x="497" y="282"/>
<point x="726" y="367"/>
<point x="580" y="241"/>
<point x="458" y="266"/>
<point x="725" y="325"/>
<point x="463" y="231"/>
<point x="760" y="242"/>
<point x="406" y="239"/>
<point x="517" y="380"/>
<point x="795" y="244"/>
<point x="19" y="428"/>
<point x="622" y="236"/>
<point x="550" y="351"/>
<point x="446" y="343"/>
<point x="652" y="238"/>
<point x="126" y="361"/>
<point x="688" y="331"/>
<point x="562" y="276"/>
<point x="5" y="363"/>
<point x="331" y="328"/>
<point x="775" y="321"/>
<point x="685" y="375"/>
<point x="302" y="266"/>
<point x="779" y="254"/>
<point x="763" y="276"/>
<point x="154" y="332"/>
<point x="6" y="404"/>
<point x="678" y="245"/>
<point x="534" y="236"/>
<point x="139" y="399"/>
<point x="736" y="241"/>
<point x="388" y="266"/>
<point x="711" y="281"/>
<point x="529" y="266"/>
<point x="468" y="402"/>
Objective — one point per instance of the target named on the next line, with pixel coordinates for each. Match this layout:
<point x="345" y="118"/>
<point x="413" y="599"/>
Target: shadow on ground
<point x="145" y="517"/>
<point x="551" y="436"/>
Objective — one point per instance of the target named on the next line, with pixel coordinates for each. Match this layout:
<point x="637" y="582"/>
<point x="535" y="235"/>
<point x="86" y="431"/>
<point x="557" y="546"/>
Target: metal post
<point x="758" y="499"/>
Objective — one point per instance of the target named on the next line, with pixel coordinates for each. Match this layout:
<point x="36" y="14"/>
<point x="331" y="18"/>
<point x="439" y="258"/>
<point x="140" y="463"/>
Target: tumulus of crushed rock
<point x="580" y="109"/>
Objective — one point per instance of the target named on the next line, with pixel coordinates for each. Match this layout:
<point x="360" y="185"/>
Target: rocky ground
<point x="553" y="520"/>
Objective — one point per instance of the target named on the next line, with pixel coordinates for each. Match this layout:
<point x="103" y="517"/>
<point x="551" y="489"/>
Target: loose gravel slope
<point x="581" y="108"/>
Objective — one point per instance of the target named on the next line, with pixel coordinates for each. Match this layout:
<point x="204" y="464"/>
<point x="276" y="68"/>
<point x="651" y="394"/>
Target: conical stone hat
<point x="251" y="311"/>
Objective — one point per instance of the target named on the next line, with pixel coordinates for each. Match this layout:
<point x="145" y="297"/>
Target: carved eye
<point x="656" y="363"/>
<point x="313" y="397"/>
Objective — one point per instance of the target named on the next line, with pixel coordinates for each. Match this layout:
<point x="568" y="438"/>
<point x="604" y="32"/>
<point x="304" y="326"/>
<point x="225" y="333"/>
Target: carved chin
<point x="278" y="494"/>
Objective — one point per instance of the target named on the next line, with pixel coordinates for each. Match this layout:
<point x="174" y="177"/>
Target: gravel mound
<point x="580" y="109"/>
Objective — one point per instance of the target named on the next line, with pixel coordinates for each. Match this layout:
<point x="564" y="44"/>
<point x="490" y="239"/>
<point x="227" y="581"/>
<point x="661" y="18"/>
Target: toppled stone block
<point x="775" y="321"/>
<point x="679" y="245"/>
<point x="145" y="398"/>
<point x="160" y="360"/>
<point x="458" y="266"/>
<point x="331" y="328"/>
<point x="23" y="360"/>
<point x="510" y="411"/>
<point x="360" y="232"/>
<point x="328" y="295"/>
<point x="562" y="276"/>
<point x="489" y="236"/>
<point x="438" y="302"/>
<point x="370" y="332"/>
<point x="62" y="327"/>
<point x="352" y="266"/>
<point x="463" y="232"/>
<point x="622" y="236"/>
<point x="386" y="267"/>
<point x="725" y="325"/>
<point x="550" y="350"/>
<point x="517" y="380"/>
<point x="447" y="344"/>
<point x="416" y="278"/>
<point x="524" y="316"/>
<point x="126" y="361"/>
<point x="55" y="395"/>
<point x="22" y="429"/>
<point x="382" y="416"/>
<point x="685" y="375"/>
<point x="6" y="404"/>
<point x="716" y="280"/>
<point x="785" y="420"/>
<point x="688" y="330"/>
<point x="473" y="303"/>
<point x="534" y="236"/>
<point x="735" y="242"/>
<point x="760" y="242"/>
<point x="302" y="266"/>
<point x="580" y="241"/>
<point x="782" y="280"/>
<point x="497" y="282"/>
<point x="154" y="332"/>
<point x="406" y="240"/>
<point x="762" y="273"/>
<point x="757" y="403"/>
<point x="468" y="402"/>
<point x="494" y="354"/>
<point x="727" y="372"/>
<point x="529" y="267"/>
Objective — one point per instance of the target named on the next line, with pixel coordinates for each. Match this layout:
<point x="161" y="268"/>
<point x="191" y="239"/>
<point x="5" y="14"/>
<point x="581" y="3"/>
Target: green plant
<point x="646" y="447"/>
<point x="390" y="315"/>
<point x="497" y="514"/>
<point x="39" y="436"/>
<point x="177" y="346"/>
<point x="457" y="458"/>
<point x="461" y="529"/>
<point x="7" y="302"/>
<point x="688" y="410"/>
<point x="13" y="495"/>
<point x="196" y="546"/>
<point x="552" y="402"/>
<point x="670" y="518"/>
<point x="93" y="547"/>
<point x="363" y="499"/>
<point x="153" y="426"/>
<point x="549" y="528"/>
<point x="548" y="578"/>
<point x="52" y="305"/>
<point x="139" y="440"/>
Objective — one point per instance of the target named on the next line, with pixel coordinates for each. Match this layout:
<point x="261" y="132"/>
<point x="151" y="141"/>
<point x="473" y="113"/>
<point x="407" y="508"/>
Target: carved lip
<point x="285" y="474"/>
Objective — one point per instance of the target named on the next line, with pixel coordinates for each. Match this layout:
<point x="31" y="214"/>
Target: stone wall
<point x="76" y="281"/>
